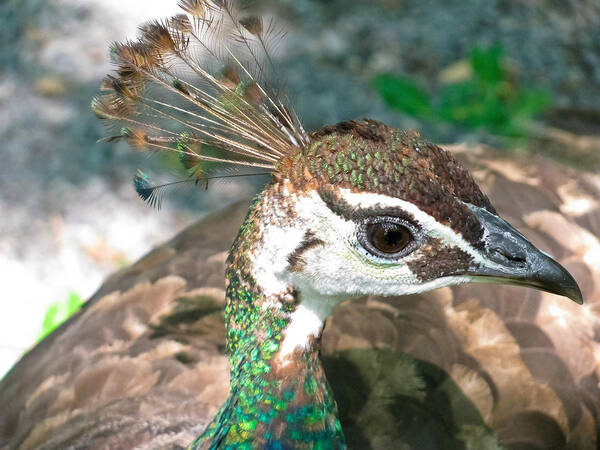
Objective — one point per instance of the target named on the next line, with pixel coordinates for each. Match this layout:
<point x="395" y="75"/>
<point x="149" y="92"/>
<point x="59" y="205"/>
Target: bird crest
<point x="196" y="84"/>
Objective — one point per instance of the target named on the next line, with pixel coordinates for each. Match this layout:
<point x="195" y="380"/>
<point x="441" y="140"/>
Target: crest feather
<point x="197" y="80"/>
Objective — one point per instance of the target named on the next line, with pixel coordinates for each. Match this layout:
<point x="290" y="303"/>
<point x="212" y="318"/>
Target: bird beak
<point x="509" y="258"/>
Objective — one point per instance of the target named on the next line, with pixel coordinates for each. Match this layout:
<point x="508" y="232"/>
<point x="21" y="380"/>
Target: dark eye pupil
<point x="388" y="237"/>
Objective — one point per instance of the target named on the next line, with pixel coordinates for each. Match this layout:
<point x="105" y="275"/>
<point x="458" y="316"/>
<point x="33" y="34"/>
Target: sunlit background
<point x="521" y="75"/>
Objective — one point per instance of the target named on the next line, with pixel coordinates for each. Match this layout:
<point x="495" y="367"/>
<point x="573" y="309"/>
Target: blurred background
<point x="519" y="75"/>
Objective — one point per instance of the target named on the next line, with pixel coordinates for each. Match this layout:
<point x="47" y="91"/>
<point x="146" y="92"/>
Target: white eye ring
<point x="388" y="237"/>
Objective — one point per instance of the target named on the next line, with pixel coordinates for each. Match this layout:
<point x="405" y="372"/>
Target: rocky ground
<point x="69" y="215"/>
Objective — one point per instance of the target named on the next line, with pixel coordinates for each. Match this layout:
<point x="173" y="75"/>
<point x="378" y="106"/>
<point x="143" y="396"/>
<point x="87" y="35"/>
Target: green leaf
<point x="489" y="100"/>
<point x="487" y="63"/>
<point x="403" y="94"/>
<point x="58" y="312"/>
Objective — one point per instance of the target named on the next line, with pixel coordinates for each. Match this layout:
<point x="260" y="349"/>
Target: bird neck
<point x="279" y="396"/>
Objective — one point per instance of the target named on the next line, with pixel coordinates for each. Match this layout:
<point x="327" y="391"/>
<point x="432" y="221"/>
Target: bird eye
<point x="386" y="238"/>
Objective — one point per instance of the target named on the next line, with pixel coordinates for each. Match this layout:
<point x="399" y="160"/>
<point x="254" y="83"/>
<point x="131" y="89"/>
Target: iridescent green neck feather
<point x="274" y="403"/>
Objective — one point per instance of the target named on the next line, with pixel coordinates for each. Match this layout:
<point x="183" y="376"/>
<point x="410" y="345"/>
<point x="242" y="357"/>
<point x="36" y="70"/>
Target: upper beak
<point x="512" y="259"/>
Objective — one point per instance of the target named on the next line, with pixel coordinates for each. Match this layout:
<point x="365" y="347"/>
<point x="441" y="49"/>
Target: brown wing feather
<point x="142" y="364"/>
<point x="143" y="361"/>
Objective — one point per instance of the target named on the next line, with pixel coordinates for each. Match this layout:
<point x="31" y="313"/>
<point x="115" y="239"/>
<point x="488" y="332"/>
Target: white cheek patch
<point x="343" y="271"/>
<point x="342" y="268"/>
<point x="270" y="261"/>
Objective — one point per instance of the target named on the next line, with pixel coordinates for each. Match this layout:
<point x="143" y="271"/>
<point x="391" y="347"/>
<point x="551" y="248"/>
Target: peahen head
<point x="366" y="209"/>
<point x="353" y="209"/>
<point x="389" y="213"/>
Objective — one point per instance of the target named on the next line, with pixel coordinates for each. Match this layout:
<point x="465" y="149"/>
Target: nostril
<point x="520" y="258"/>
<point x="509" y="253"/>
